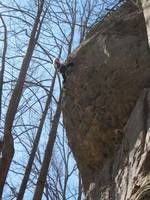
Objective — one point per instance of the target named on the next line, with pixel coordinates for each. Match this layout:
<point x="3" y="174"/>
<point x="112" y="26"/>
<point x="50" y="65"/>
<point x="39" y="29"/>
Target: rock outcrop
<point x="111" y="145"/>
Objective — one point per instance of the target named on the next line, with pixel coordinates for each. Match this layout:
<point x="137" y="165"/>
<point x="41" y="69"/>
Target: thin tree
<point x="80" y="188"/>
<point x="2" y="69"/>
<point x="8" y="147"/>
<point x="35" y="143"/>
<point x="48" y="154"/>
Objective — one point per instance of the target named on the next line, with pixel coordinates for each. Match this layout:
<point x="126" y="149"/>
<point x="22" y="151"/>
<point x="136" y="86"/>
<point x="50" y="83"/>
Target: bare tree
<point x="48" y="153"/>
<point x="36" y="142"/>
<point x="8" y="146"/>
<point x="2" y="69"/>
<point x="64" y="168"/>
<point x="80" y="189"/>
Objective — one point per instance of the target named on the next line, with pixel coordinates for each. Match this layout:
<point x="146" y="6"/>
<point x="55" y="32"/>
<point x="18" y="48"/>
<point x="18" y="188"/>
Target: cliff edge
<point x="106" y="107"/>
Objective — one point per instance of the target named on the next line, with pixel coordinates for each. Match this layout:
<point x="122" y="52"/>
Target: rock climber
<point x="62" y="68"/>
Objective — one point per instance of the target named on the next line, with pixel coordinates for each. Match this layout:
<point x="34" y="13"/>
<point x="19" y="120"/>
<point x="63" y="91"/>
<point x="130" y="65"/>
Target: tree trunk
<point x="35" y="144"/>
<point x="8" y="147"/>
<point x="2" y="69"/>
<point x="79" y="188"/>
<point x="48" y="154"/>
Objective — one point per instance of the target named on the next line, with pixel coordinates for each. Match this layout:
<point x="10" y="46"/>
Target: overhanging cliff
<point x="112" y="68"/>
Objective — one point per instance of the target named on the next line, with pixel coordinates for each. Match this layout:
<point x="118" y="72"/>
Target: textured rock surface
<point x="112" y="69"/>
<point x="132" y="163"/>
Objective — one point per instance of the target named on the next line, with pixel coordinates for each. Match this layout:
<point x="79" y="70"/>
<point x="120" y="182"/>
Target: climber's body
<point x="62" y="67"/>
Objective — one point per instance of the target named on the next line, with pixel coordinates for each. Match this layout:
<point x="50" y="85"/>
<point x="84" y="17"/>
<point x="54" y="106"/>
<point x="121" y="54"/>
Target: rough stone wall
<point x="112" y="67"/>
<point x="132" y="163"/>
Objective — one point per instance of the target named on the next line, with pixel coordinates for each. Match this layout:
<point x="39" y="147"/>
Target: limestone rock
<point x="112" y="67"/>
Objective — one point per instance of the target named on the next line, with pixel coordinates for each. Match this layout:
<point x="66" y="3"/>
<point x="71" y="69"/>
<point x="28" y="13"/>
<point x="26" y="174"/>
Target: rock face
<point x="112" y="68"/>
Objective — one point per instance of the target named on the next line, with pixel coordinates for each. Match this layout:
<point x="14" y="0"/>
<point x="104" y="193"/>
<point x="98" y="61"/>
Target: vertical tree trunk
<point x="35" y="144"/>
<point x="48" y="154"/>
<point x="79" y="188"/>
<point x="146" y="11"/>
<point x="8" y="147"/>
<point x="65" y="185"/>
<point x="2" y="69"/>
